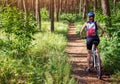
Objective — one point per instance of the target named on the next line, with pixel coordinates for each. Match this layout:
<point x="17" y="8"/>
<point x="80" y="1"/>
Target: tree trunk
<point x="105" y="7"/>
<point x="28" y="5"/>
<point x="72" y="6"/>
<point x="86" y="8"/>
<point x="19" y="4"/>
<point x="50" y="9"/>
<point x="77" y="7"/>
<point x="52" y="15"/>
<point x="25" y="10"/>
<point x="66" y="8"/>
<point x="106" y="11"/>
<point x="60" y="10"/>
<point x="81" y="7"/>
<point x="115" y="6"/>
<point x="33" y="7"/>
<point x="95" y="6"/>
<point x="38" y="16"/>
<point x="7" y="3"/>
<point x="57" y="10"/>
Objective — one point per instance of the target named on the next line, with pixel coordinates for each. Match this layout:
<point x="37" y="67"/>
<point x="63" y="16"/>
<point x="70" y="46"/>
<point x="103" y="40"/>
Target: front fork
<point x="94" y="60"/>
<point x="94" y="56"/>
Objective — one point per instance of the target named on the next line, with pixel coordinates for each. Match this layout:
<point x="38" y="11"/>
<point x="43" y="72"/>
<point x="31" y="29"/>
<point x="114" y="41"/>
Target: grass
<point x="45" y="63"/>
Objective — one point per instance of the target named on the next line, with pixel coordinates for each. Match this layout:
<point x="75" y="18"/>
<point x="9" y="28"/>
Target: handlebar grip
<point x="83" y="37"/>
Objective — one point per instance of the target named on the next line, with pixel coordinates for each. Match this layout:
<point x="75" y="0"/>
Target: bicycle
<point x="95" y="60"/>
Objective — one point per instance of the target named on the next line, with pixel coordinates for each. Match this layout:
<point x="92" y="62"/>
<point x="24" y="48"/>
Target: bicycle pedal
<point x="88" y="70"/>
<point x="95" y="66"/>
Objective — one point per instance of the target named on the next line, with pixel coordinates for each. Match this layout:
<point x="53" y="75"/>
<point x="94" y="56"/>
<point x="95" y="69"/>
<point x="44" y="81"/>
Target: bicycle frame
<point x="94" y="55"/>
<point x="96" y="61"/>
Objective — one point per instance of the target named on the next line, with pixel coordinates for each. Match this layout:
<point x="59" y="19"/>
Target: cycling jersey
<point x="91" y="29"/>
<point x="92" y="34"/>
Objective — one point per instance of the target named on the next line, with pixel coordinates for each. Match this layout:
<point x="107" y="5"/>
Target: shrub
<point x="18" y="30"/>
<point x="110" y="52"/>
<point x="28" y="57"/>
<point x="44" y="14"/>
<point x="70" y="17"/>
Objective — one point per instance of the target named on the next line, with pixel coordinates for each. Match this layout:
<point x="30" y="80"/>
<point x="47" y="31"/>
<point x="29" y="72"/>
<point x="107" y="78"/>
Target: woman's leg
<point x="89" y="58"/>
<point x="89" y="54"/>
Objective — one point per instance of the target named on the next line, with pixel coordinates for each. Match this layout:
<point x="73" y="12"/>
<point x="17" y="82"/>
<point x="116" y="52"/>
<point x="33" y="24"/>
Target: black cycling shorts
<point x="90" y="42"/>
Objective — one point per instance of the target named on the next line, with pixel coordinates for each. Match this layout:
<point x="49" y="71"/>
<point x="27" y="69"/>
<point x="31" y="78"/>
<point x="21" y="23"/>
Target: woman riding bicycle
<point x="92" y="35"/>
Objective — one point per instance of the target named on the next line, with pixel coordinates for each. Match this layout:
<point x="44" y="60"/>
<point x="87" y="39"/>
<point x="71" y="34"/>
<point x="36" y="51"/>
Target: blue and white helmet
<point x="90" y="14"/>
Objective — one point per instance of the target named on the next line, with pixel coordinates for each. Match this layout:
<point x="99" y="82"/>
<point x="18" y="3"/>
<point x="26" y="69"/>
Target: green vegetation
<point x="29" y="56"/>
<point x="32" y="56"/>
<point x="109" y="45"/>
<point x="71" y="17"/>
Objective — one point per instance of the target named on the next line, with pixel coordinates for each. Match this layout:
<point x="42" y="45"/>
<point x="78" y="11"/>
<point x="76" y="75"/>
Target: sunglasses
<point x="90" y="17"/>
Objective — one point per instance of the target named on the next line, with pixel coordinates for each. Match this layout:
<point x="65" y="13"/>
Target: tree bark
<point x="50" y="9"/>
<point x="25" y="10"/>
<point x="80" y="7"/>
<point x="86" y="8"/>
<point x="7" y="3"/>
<point x="115" y="6"/>
<point x="38" y="16"/>
<point x="95" y="6"/>
<point x="52" y="15"/>
<point x="66" y="8"/>
<point x="61" y="2"/>
<point x="33" y="7"/>
<point x="77" y="7"/>
<point x="19" y="4"/>
<point x="57" y="9"/>
<point x="106" y="11"/>
<point x="105" y="7"/>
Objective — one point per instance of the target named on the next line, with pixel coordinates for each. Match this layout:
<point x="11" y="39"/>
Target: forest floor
<point x="76" y="48"/>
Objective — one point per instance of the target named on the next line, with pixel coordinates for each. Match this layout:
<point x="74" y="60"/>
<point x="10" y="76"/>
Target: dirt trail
<point x="76" y="48"/>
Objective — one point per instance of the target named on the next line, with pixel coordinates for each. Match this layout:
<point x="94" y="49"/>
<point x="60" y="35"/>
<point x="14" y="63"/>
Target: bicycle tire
<point x="92" y="61"/>
<point x="97" y="63"/>
<point x="98" y="67"/>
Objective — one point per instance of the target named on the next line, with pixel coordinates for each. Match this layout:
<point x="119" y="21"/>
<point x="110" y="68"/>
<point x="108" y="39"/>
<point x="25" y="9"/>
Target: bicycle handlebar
<point x="83" y="37"/>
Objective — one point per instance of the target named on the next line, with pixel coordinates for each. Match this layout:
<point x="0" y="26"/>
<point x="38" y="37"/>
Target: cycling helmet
<point x="91" y="14"/>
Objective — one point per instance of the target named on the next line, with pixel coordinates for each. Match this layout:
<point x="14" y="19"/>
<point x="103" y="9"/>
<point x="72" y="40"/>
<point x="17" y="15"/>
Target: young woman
<point x="92" y="35"/>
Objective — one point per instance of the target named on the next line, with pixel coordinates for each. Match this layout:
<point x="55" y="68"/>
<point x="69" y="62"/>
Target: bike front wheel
<point x="98" y="67"/>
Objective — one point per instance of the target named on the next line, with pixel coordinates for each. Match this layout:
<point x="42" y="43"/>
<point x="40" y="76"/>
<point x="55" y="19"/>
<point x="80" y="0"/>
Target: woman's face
<point x="90" y="18"/>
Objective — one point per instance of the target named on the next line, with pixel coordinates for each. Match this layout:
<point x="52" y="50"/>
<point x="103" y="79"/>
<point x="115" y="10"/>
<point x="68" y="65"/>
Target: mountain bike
<point x="96" y="61"/>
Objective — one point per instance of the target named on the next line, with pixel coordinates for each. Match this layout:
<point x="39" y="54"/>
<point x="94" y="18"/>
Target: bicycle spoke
<point x="98" y="63"/>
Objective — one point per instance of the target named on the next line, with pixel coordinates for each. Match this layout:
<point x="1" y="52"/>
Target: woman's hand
<point x="102" y="33"/>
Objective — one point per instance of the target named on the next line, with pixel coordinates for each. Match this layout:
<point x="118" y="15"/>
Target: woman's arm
<point x="102" y="29"/>
<point x="83" y="27"/>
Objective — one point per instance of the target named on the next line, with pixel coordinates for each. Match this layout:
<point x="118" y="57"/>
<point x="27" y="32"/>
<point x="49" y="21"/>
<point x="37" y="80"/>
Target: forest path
<point x="76" y="48"/>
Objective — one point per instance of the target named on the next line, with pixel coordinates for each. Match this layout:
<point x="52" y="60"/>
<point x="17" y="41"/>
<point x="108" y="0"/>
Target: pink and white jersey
<point x="91" y="29"/>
